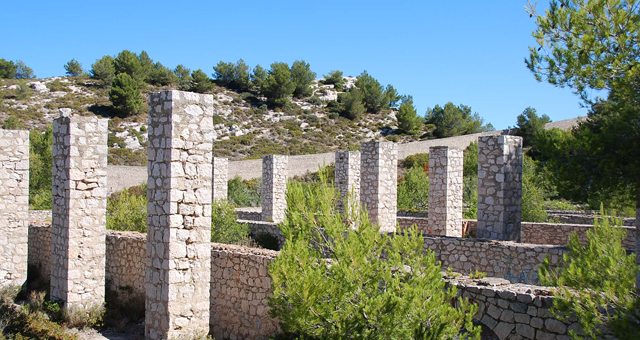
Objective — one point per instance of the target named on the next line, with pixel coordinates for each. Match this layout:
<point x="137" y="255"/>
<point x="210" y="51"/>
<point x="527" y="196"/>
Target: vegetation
<point x="278" y="86"/>
<point x="413" y="190"/>
<point x="234" y="76"/>
<point x="127" y="210"/>
<point x="40" y="165"/>
<point x="302" y="77"/>
<point x="224" y="228"/>
<point x="451" y="120"/>
<point x="593" y="278"/>
<point x="334" y="78"/>
<point x="356" y="292"/>
<point x="244" y="193"/>
<point x="125" y="95"/>
<point x="73" y="68"/>
<point x="104" y="70"/>
<point x="408" y="120"/>
<point x="530" y="126"/>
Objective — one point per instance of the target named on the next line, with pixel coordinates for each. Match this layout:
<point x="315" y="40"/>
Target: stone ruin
<point x="194" y="287"/>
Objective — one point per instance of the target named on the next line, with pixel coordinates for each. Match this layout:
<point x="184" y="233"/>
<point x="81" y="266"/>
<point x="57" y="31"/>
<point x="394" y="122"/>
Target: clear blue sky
<point x="466" y="52"/>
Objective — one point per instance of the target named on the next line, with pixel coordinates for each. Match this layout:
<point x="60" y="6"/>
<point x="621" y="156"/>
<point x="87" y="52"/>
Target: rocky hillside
<point x="245" y="127"/>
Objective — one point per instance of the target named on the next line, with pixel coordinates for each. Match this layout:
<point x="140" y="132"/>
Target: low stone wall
<point x="406" y="213"/>
<point x="582" y="217"/>
<point x="558" y="234"/>
<point x="126" y="262"/>
<point x="516" y="262"/>
<point x="468" y="226"/>
<point x="514" y="311"/>
<point x="40" y="248"/>
<point x="249" y="213"/>
<point x="239" y="289"/>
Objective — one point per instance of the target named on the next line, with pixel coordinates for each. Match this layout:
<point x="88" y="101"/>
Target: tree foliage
<point x="73" y="68"/>
<point x="234" y="76"/>
<point x="413" y="190"/>
<point x="200" y="82"/>
<point x="351" y="103"/>
<point x="373" y="95"/>
<point x="7" y="69"/>
<point x="128" y="63"/>
<point x="23" y="71"/>
<point x="302" y="77"/>
<point x="40" y="165"/>
<point x="451" y="120"/>
<point x="125" y="95"/>
<point x="530" y="125"/>
<point x="224" y="228"/>
<point x="161" y="75"/>
<point x="278" y="86"/>
<point x="356" y="292"/>
<point x="334" y="78"/>
<point x="408" y="120"/>
<point x="104" y="69"/>
<point x="586" y="44"/>
<point x="258" y="76"/>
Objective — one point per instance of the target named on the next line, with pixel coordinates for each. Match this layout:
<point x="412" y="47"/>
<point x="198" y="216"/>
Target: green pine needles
<point x="338" y="277"/>
<point x="596" y="283"/>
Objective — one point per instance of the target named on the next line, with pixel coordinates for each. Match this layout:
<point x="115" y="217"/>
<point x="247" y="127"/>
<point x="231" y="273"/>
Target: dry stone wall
<point x="579" y="217"/>
<point x="516" y="262"/>
<point x="558" y="234"/>
<point x="347" y="178"/>
<point x="220" y="176"/>
<point x="179" y="214"/>
<point x="445" y="190"/>
<point x="240" y="285"/>
<point x="379" y="183"/>
<point x="126" y="262"/>
<point x="79" y="211"/>
<point x="14" y="206"/>
<point x="499" y="187"/>
<point x="40" y="248"/>
<point x="274" y="187"/>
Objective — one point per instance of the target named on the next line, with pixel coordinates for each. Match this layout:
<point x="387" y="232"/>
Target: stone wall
<point x="445" y="190"/>
<point x="514" y="311"/>
<point x="14" y="206"/>
<point x="40" y="248"/>
<point x="179" y="214"/>
<point x="499" y="187"/>
<point x="259" y="229"/>
<point x="379" y="183"/>
<point x="79" y="211"/>
<point x="578" y="217"/>
<point x="516" y="262"/>
<point x="249" y="213"/>
<point x="347" y="178"/>
<point x="126" y="262"/>
<point x="558" y="234"/>
<point x="274" y="187"/>
<point x="220" y="177"/>
<point x="240" y="285"/>
<point x="466" y="226"/>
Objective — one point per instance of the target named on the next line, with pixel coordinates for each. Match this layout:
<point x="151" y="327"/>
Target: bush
<point x="57" y="85"/>
<point x="40" y="165"/>
<point x="73" y="68"/>
<point x="234" y="76"/>
<point x="419" y="159"/>
<point x="356" y="291"/>
<point x="413" y="191"/>
<point x="7" y="69"/>
<point x="595" y="283"/>
<point x="12" y="123"/>
<point x="224" y="228"/>
<point x="244" y="193"/>
<point x="335" y="78"/>
<point x="408" y="120"/>
<point x="127" y="210"/>
<point x="351" y="104"/>
<point x="125" y="95"/>
<point x="533" y="196"/>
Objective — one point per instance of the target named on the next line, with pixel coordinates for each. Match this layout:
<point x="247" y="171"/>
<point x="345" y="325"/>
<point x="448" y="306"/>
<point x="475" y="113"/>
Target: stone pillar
<point x="78" y="249"/>
<point x="499" y="187"/>
<point x="274" y="187"/>
<point x="379" y="183"/>
<point x="445" y="190"/>
<point x="179" y="215"/>
<point x="220" y="178"/>
<point x="347" y="178"/>
<point x="14" y="206"/>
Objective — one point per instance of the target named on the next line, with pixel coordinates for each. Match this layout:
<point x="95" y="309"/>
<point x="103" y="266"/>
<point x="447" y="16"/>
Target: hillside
<point x="245" y="127"/>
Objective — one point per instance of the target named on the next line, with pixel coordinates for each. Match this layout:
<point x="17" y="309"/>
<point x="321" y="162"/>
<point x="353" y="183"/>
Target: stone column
<point x="445" y="190"/>
<point x="274" y="187"/>
<point x="347" y="178"/>
<point x="78" y="249"/>
<point x="379" y="183"/>
<point x="179" y="215"/>
<point x="220" y="178"/>
<point x="499" y="187"/>
<point x="14" y="206"/>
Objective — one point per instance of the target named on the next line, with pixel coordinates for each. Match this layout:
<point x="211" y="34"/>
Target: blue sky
<point x="465" y="52"/>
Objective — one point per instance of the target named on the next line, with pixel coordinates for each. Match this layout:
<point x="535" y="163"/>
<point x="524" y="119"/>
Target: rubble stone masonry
<point x="14" y="206"/>
<point x="220" y="178"/>
<point x="179" y="214"/>
<point x="274" y="187"/>
<point x="445" y="190"/>
<point x="79" y="211"/>
<point x="379" y="183"/>
<point x="499" y="187"/>
<point x="347" y="178"/>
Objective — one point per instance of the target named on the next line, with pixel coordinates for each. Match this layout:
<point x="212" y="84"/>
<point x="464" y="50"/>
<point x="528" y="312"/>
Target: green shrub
<point x="356" y="291"/>
<point x="532" y="194"/>
<point x="224" y="228"/>
<point x="40" y="165"/>
<point x="57" y="85"/>
<point x="335" y="78"/>
<point x="419" y="159"/>
<point x="302" y="77"/>
<point x="127" y="210"/>
<point x="413" y="191"/>
<point x="595" y="283"/>
<point x="244" y="193"/>
<point x="393" y="138"/>
<point x="12" y="123"/>
<point x="470" y="197"/>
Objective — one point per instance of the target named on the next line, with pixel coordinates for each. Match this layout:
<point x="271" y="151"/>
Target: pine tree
<point x="125" y="95"/>
<point x="408" y="120"/>
<point x="73" y="68"/>
<point x="302" y="77"/>
<point x="104" y="69"/>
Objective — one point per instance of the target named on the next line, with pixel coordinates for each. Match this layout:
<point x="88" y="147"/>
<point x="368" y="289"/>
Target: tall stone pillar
<point x="179" y="215"/>
<point x="347" y="178"/>
<point x="499" y="187"/>
<point x="220" y="178"/>
<point x="14" y="206"/>
<point x="274" y="187"/>
<point x="379" y="183"/>
<point x="78" y="249"/>
<point x="445" y="190"/>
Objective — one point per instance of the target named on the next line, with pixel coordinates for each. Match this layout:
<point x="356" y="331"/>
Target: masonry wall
<point x="347" y="177"/>
<point x="516" y="262"/>
<point x="274" y="187"/>
<point x="219" y="178"/>
<point x="40" y="248"/>
<point x="580" y="217"/>
<point x="126" y="262"/>
<point x="79" y="211"/>
<point x="379" y="183"/>
<point x="240" y="285"/>
<point x="445" y="190"/>
<point x="14" y="206"/>
<point x="558" y="234"/>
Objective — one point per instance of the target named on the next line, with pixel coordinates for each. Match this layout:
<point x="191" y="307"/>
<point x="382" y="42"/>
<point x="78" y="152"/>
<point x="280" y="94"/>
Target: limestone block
<point x="445" y="190"/>
<point x="274" y="187"/>
<point x="379" y="183"/>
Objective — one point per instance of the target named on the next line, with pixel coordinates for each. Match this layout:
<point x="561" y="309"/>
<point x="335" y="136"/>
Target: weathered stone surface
<point x="347" y="178"/>
<point x="274" y="187"/>
<point x="499" y="187"/>
<point x="14" y="206"/>
<point x="220" y="177"/>
<point x="179" y="214"/>
<point x="379" y="183"/>
<point x="445" y="190"/>
<point x="79" y="211"/>
<point x="526" y="331"/>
